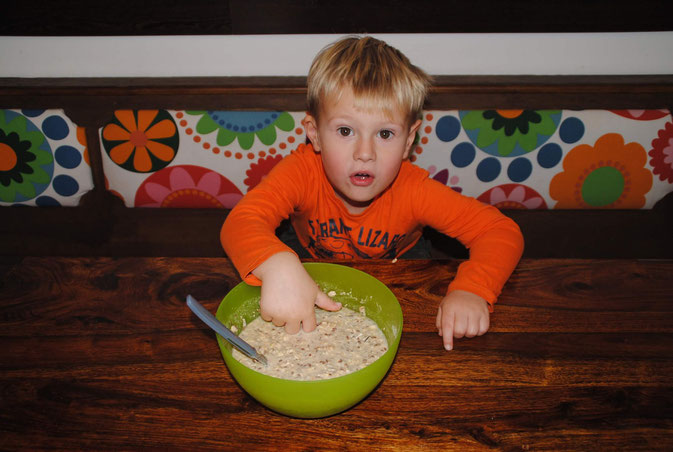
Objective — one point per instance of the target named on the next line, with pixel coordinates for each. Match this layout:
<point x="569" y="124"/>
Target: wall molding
<point x="289" y="93"/>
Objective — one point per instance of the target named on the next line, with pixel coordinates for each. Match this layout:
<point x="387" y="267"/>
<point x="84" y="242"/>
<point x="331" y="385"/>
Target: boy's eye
<point x="386" y="134"/>
<point x="345" y="131"/>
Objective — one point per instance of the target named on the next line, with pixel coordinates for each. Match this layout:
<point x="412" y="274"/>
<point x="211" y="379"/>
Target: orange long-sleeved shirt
<point x="298" y="188"/>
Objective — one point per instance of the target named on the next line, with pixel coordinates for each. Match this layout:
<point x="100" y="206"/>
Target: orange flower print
<point x="141" y="141"/>
<point x="609" y="175"/>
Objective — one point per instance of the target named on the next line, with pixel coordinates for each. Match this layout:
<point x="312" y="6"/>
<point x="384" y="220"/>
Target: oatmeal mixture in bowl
<point x="359" y="293"/>
<point x="343" y="342"/>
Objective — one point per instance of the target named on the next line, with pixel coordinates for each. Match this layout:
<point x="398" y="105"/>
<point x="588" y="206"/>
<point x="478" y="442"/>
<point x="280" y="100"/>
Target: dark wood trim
<point x="96" y="161"/>
<point x="104" y="227"/>
<point x="289" y="93"/>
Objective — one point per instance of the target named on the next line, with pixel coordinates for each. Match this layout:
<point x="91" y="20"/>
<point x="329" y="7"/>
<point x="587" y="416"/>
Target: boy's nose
<point x="364" y="150"/>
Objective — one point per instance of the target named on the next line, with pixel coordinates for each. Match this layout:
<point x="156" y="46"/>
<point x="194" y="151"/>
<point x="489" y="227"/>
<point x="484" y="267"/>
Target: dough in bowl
<point x="344" y="341"/>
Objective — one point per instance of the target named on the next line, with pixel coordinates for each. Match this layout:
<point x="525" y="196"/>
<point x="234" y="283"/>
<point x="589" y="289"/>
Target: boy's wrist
<point x="278" y="260"/>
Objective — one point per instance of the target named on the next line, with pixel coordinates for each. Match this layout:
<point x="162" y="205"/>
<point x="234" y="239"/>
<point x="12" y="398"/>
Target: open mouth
<point x="362" y="179"/>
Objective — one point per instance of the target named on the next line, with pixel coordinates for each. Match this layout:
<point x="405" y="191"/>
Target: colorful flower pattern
<point x="142" y="141"/>
<point x="243" y="126"/>
<point x="259" y="170"/>
<point x="509" y="133"/>
<point x="513" y="196"/>
<point x="42" y="159"/>
<point x="521" y="178"/>
<point x="26" y="160"/>
<point x="610" y="174"/>
<point x="187" y="186"/>
<point x="662" y="153"/>
<point x="642" y="115"/>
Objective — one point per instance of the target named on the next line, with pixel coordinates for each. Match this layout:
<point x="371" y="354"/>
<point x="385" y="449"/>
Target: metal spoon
<point x="210" y="320"/>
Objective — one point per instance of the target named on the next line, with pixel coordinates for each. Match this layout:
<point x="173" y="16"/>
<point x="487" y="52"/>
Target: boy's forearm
<point x="493" y="258"/>
<point x="249" y="242"/>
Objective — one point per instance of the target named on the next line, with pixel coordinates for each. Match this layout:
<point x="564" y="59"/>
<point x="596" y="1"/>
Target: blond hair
<point x="380" y="76"/>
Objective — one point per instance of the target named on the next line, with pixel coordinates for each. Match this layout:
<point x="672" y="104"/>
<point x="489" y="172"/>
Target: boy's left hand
<point x="462" y="314"/>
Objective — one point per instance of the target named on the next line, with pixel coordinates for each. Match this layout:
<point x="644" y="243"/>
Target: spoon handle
<point x="210" y="320"/>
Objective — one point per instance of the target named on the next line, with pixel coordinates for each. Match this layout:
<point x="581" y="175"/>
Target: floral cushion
<point x="552" y="159"/>
<point x="43" y="159"/>
<point x="527" y="159"/>
<point x="530" y="159"/>
<point x="158" y="158"/>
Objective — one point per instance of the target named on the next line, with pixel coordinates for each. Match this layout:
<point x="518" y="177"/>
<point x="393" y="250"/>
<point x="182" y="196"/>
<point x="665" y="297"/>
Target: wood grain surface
<point x="103" y="354"/>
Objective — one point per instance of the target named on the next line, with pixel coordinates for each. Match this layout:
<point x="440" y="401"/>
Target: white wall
<point x="438" y="54"/>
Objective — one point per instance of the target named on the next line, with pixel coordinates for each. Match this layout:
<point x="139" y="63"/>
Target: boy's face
<point x="361" y="150"/>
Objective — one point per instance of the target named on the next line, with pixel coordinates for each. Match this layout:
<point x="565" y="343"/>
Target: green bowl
<point x="320" y="398"/>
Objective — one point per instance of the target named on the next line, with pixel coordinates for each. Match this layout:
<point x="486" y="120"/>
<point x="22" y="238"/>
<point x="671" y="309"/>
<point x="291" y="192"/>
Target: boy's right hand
<point x="289" y="294"/>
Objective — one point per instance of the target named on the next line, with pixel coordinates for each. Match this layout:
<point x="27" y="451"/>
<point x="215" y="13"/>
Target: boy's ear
<point x="412" y="136"/>
<point x="311" y="125"/>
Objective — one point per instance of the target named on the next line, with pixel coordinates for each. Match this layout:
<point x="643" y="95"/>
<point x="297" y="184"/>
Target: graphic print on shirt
<point x="334" y="239"/>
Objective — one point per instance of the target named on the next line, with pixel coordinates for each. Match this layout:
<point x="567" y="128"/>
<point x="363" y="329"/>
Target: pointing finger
<point x="447" y="333"/>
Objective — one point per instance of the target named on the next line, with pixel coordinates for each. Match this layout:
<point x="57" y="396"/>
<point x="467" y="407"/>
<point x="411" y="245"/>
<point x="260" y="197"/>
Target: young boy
<point x="352" y="193"/>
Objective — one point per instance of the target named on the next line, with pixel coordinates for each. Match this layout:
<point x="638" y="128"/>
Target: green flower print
<point x="243" y="125"/>
<point x="508" y="133"/>
<point x="26" y="160"/>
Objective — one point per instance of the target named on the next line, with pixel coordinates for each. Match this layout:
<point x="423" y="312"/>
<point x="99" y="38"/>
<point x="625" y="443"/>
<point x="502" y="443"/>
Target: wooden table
<point x="102" y="353"/>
